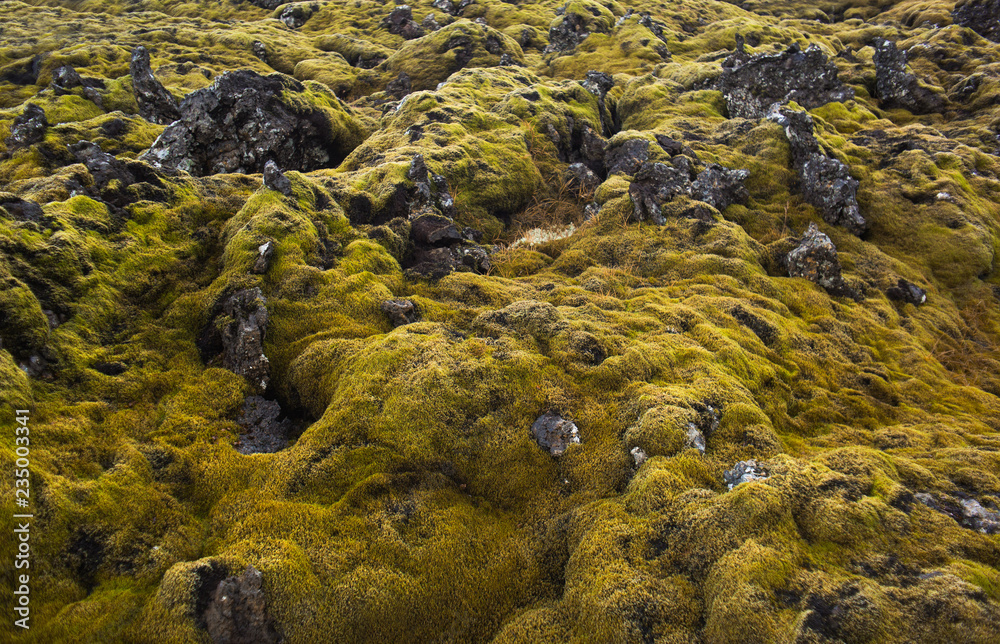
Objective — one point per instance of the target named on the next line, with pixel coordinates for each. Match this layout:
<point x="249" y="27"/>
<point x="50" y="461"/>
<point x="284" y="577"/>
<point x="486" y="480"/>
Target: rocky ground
<point x="509" y="322"/>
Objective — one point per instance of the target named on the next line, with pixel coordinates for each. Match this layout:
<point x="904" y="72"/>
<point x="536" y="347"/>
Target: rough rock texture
<point x="155" y="102"/>
<point x="815" y="258"/>
<point x="898" y="88"/>
<point x="28" y="128"/>
<point x="744" y="472"/>
<point x="400" y="312"/>
<point x="237" y="334"/>
<point x="274" y="179"/>
<point x="262" y="433"/>
<point x="243" y="120"/>
<point x="753" y="85"/>
<point x="238" y="612"/>
<point x="400" y="21"/>
<point x="905" y="291"/>
<point x="825" y="182"/>
<point x="555" y="433"/>
<point x="982" y="16"/>
<point x="656" y="184"/>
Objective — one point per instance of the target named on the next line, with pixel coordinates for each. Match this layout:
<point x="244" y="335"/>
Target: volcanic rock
<point x="28" y="128"/>
<point x="982" y="16"/>
<point x="816" y="259"/>
<point x="555" y="433"/>
<point x="156" y="105"/>
<point x="237" y="612"/>
<point x="896" y="87"/>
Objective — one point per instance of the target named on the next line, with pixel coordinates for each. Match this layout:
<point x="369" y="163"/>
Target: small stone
<point x="905" y="291"/>
<point x="400" y="312"/>
<point x="744" y="472"/>
<point x="274" y="179"/>
<point x="265" y="253"/>
<point x="555" y="433"/>
<point x="695" y="438"/>
<point x="815" y="258"/>
<point x="638" y="456"/>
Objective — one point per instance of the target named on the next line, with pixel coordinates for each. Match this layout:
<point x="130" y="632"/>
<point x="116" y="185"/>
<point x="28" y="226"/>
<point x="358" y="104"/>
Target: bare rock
<point x="825" y="182"/>
<point x="242" y="120"/>
<point x="555" y="433"/>
<point x="400" y="22"/>
<point x="744" y="472"/>
<point x="275" y="179"/>
<point x="236" y="332"/>
<point x="296" y="14"/>
<point x="982" y="16"/>
<point x="400" y="312"/>
<point x="908" y="292"/>
<point x="237" y="612"/>
<point x="896" y="87"/>
<point x="654" y="185"/>
<point x="264" y="431"/>
<point x="156" y="105"/>
<point x="28" y="128"/>
<point x="720" y="187"/>
<point x="815" y="259"/>
<point x="753" y="85"/>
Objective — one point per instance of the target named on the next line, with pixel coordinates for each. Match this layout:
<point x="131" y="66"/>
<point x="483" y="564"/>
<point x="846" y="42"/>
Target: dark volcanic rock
<point x="657" y="183"/>
<point x="753" y="85"/>
<point x="155" y="102"/>
<point x="104" y="167"/>
<point x="274" y="179"/>
<point x="895" y="87"/>
<point x="654" y="185"/>
<point x="400" y="312"/>
<point x="825" y="182"/>
<point x="580" y="177"/>
<point x="28" y="128"/>
<point x="626" y="157"/>
<point x="399" y="87"/>
<point x="744" y="472"/>
<point x="268" y="4"/>
<point x="264" y="254"/>
<point x="566" y="34"/>
<point x="982" y="16"/>
<point x="400" y="22"/>
<point x="23" y="210"/>
<point x="263" y="432"/>
<point x="555" y="433"/>
<point x="296" y="14"/>
<point x="243" y="120"/>
<point x="720" y="187"/>
<point x="237" y="331"/>
<point x="815" y="259"/>
<point x="237" y="612"/>
<point x="905" y="291"/>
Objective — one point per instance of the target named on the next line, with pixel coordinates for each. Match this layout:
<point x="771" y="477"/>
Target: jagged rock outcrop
<point x="896" y="87"/>
<point x="655" y="184"/>
<point x="235" y="336"/>
<point x="263" y="429"/>
<point x="982" y="16"/>
<point x="156" y="105"/>
<point x="238" y="612"/>
<point x="754" y="85"/>
<point x="400" y="22"/>
<point x="825" y="182"/>
<point x="815" y="258"/>
<point x="28" y="128"/>
<point x="243" y="120"/>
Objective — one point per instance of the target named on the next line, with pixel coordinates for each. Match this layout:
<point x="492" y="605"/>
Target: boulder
<point x="274" y="179"/>
<point x="753" y="85"/>
<point x="27" y="129"/>
<point x="982" y="16"/>
<point x="825" y="182"/>
<point x="400" y="22"/>
<point x="243" y="120"/>
<point x="815" y="258"/>
<point x="400" y="312"/>
<point x="907" y="292"/>
<point x="156" y="104"/>
<point x="263" y="432"/>
<point x="896" y="87"/>
<point x="237" y="612"/>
